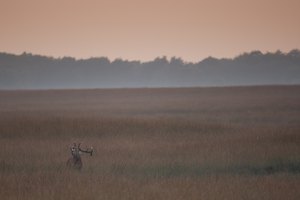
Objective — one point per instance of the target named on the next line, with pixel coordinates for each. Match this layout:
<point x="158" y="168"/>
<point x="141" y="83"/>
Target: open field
<point x="192" y="143"/>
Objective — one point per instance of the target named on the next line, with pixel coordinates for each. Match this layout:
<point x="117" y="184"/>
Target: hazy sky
<point x="145" y="29"/>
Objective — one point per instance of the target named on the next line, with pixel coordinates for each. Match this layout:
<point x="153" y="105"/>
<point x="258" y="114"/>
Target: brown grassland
<point x="189" y="143"/>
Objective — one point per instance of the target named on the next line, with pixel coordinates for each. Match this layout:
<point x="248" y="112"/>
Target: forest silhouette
<point x="27" y="71"/>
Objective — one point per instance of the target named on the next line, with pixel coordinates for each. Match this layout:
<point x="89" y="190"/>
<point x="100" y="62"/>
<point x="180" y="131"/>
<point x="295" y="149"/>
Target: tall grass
<point x="193" y="143"/>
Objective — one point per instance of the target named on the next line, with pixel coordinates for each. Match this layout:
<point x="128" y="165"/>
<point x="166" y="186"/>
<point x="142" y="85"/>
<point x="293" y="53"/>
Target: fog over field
<point x="27" y="71"/>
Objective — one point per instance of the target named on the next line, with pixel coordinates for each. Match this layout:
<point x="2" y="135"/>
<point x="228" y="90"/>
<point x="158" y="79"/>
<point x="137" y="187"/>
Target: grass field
<point x="194" y="143"/>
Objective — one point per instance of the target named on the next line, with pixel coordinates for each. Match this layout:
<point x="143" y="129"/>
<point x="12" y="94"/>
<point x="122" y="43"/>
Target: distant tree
<point x="279" y="53"/>
<point x="294" y="53"/>
<point x="96" y="61"/>
<point x="68" y="59"/>
<point x="176" y="61"/>
<point x="118" y="61"/>
<point x="255" y="54"/>
<point x="209" y="61"/>
<point x="161" y="61"/>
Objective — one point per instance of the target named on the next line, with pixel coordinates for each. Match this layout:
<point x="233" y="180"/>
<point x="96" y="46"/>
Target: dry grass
<point x="193" y="143"/>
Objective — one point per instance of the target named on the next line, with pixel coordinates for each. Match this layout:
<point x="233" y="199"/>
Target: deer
<point x="74" y="162"/>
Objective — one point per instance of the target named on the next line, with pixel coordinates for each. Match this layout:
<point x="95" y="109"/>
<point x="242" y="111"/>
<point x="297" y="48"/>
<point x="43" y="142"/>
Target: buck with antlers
<point x="75" y="161"/>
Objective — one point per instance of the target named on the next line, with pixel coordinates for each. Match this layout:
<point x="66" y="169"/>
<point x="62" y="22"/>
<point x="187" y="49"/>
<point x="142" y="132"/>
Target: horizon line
<point x="168" y="58"/>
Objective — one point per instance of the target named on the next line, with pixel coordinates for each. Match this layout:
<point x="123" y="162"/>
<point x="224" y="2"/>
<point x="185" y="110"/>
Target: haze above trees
<point x="27" y="71"/>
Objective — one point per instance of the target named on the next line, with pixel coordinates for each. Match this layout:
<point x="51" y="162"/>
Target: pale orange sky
<point x="145" y="29"/>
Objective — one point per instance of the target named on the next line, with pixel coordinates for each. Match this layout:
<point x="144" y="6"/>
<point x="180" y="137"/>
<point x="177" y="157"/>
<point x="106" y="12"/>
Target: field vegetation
<point x="187" y="143"/>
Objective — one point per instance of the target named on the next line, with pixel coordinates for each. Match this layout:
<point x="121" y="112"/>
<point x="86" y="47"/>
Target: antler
<point x="88" y="150"/>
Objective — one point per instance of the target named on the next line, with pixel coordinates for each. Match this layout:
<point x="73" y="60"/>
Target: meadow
<point x="181" y="143"/>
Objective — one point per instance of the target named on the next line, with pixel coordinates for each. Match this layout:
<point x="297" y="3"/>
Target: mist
<point x="27" y="71"/>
